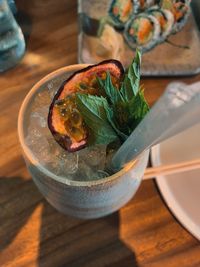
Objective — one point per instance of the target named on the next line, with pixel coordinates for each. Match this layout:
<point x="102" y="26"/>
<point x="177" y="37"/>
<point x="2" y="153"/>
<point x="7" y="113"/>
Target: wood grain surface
<point x="32" y="233"/>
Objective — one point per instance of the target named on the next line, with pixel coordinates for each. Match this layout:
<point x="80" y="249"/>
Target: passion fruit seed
<point x="65" y="106"/>
<point x="76" y="117"/>
<point x="72" y="118"/>
<point x="60" y="102"/>
<point x="76" y="133"/>
<point x="83" y="86"/>
<point x="64" y="112"/>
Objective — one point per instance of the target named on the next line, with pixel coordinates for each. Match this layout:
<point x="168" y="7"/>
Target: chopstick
<point x="171" y="169"/>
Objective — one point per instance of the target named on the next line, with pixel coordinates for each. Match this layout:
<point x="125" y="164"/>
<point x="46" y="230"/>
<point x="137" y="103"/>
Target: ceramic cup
<point x="83" y="199"/>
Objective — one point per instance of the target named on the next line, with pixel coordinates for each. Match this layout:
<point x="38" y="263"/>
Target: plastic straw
<point x="176" y="110"/>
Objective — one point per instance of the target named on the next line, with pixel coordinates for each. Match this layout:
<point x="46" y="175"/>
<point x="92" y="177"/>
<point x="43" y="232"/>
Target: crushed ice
<point x="86" y="164"/>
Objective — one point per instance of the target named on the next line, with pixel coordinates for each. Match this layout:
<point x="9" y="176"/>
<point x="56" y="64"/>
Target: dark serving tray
<point x="163" y="60"/>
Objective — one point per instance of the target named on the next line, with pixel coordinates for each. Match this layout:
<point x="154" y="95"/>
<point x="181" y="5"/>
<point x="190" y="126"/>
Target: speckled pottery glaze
<point x="82" y="199"/>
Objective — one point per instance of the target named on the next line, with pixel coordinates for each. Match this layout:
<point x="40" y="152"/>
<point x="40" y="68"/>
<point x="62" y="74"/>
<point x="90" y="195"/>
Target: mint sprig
<point x="117" y="114"/>
<point x="112" y="93"/>
<point x="131" y="83"/>
<point x="93" y="109"/>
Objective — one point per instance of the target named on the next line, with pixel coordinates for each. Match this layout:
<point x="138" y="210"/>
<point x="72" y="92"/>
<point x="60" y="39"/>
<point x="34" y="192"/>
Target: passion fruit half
<point x="64" y="119"/>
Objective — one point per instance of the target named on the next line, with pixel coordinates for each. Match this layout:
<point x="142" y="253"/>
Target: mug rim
<point x="33" y="159"/>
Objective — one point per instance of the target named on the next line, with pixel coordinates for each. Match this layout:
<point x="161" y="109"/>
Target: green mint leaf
<point x="130" y="85"/>
<point x="113" y="123"/>
<point x="138" y="106"/>
<point x="111" y="91"/>
<point x="122" y="115"/>
<point x="129" y="113"/>
<point x="93" y="111"/>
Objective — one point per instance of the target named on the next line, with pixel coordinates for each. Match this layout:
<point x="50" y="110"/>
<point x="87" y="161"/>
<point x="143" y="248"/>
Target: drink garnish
<point x="115" y="115"/>
<point x="98" y="105"/>
<point x="65" y="120"/>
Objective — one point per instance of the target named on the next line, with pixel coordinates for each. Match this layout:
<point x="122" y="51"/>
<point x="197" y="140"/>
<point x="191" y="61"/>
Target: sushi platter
<point x="164" y="30"/>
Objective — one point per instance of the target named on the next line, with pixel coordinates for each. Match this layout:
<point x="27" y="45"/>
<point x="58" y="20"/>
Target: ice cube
<point x="101" y="174"/>
<point x="66" y="163"/>
<point x="91" y="162"/>
<point x="83" y="173"/>
<point x="41" y="100"/>
<point x="39" y="146"/>
<point x="53" y="86"/>
<point x="51" y="89"/>
<point x="39" y="118"/>
<point x="86" y="173"/>
<point x="94" y="156"/>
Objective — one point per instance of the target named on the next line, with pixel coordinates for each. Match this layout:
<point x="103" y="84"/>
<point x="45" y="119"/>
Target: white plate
<point x="181" y="191"/>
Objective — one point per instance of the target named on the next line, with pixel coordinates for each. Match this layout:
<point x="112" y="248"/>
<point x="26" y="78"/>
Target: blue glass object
<point x="12" y="44"/>
<point x="12" y="6"/>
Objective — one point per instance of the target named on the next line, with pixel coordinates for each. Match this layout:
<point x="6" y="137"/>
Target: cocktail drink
<point x="75" y="183"/>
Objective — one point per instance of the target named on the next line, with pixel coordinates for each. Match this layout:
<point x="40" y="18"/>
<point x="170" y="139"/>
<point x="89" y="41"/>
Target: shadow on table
<point x="15" y="206"/>
<point x="64" y="241"/>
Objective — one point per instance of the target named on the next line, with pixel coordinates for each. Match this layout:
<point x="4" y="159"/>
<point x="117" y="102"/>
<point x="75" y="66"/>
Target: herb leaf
<point x="112" y="120"/>
<point x="93" y="110"/>
<point x="138" y="106"/>
<point x="130" y="85"/>
<point x="111" y="91"/>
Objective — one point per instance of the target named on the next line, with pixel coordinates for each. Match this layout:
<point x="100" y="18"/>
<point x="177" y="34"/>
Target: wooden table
<point x="32" y="233"/>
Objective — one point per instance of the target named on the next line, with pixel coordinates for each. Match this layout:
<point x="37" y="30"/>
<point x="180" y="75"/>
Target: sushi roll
<point x="187" y="2"/>
<point x="142" y="5"/>
<point x="120" y="11"/>
<point x="142" y="32"/>
<point x="181" y="13"/>
<point x="180" y="10"/>
<point x="165" y="19"/>
<point x="167" y="4"/>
